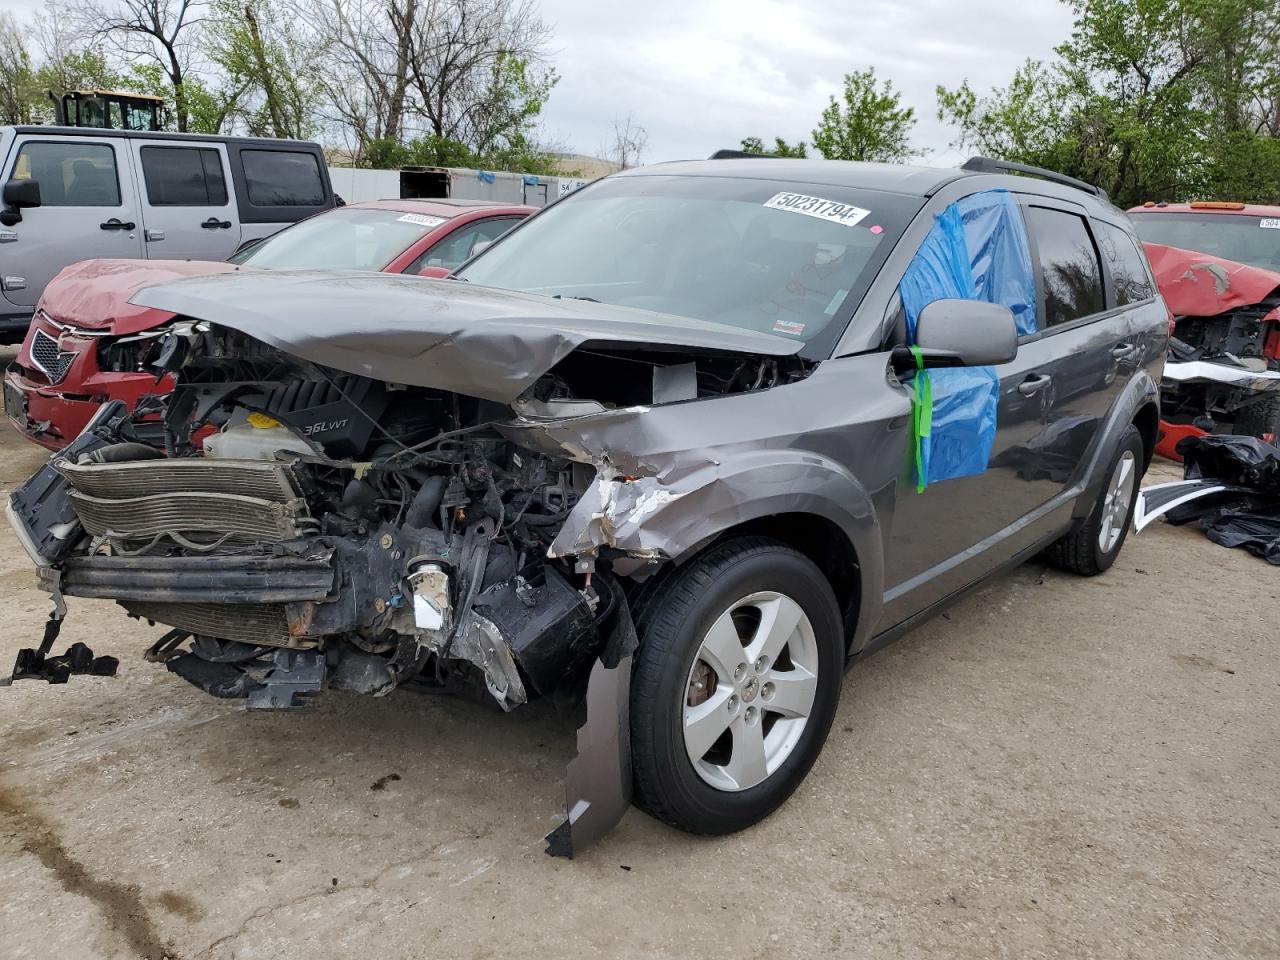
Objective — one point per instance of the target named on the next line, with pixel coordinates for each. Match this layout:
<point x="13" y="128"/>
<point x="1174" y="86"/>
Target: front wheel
<point x="1094" y="546"/>
<point x="735" y="685"/>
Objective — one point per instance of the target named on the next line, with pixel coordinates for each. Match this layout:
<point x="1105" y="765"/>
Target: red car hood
<point x="1199" y="285"/>
<point x="95" y="294"/>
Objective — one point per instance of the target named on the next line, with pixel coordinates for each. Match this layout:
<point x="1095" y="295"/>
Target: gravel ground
<point x="1056" y="768"/>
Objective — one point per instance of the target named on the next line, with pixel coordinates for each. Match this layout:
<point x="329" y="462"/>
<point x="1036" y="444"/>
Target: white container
<point x="244" y="441"/>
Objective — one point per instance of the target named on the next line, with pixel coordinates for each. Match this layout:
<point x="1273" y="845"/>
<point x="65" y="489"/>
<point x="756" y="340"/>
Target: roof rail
<point x="990" y="165"/>
<point x="736" y="155"/>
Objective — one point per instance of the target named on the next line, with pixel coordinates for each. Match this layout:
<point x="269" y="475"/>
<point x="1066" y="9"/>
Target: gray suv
<point x="682" y="445"/>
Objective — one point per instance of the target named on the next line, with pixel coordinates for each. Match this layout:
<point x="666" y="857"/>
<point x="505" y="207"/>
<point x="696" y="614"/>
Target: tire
<point x="739" y="587"/>
<point x="1092" y="547"/>
<point x="1260" y="419"/>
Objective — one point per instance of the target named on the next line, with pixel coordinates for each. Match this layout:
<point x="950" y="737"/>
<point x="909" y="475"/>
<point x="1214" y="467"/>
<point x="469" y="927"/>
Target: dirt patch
<point x="381" y="782"/>
<point x="180" y="905"/>
<point x="121" y="904"/>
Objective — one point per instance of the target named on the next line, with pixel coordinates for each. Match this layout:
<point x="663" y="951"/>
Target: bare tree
<point x="362" y="62"/>
<point x="165" y="31"/>
<point x="458" y="52"/>
<point x="630" y="140"/>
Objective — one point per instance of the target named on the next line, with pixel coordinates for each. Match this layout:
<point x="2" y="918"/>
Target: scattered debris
<point x="1232" y="488"/>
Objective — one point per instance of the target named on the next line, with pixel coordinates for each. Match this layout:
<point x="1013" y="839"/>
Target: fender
<point x="652" y="520"/>
<point x="1139" y="391"/>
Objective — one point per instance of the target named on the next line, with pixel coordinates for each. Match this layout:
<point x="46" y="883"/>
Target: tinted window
<point x="1068" y="265"/>
<point x="282" y="178"/>
<point x="1128" y="272"/>
<point x="458" y="246"/>
<point x="71" y="174"/>
<point x="183" y="177"/>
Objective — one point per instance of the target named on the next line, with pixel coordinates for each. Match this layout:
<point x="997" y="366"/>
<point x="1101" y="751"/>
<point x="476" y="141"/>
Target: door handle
<point x="1034" y="384"/>
<point x="8" y="236"/>
<point x="1123" y="351"/>
<point x="114" y="224"/>
<point x="153" y="235"/>
<point x="213" y="223"/>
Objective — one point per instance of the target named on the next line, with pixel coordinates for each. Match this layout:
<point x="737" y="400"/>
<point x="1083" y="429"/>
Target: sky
<point x="700" y="75"/>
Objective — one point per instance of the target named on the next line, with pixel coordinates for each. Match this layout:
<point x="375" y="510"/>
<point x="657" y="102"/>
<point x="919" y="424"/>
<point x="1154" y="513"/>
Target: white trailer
<point x="354" y="185"/>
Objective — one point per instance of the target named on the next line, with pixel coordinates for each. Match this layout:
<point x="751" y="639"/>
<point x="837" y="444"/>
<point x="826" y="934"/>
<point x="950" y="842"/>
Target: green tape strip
<point x="921" y="416"/>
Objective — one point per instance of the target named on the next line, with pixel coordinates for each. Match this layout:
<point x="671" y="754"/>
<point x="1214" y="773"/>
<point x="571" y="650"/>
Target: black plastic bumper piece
<point x="36" y="664"/>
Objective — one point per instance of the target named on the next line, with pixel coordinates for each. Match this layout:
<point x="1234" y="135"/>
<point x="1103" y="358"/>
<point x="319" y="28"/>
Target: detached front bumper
<point x="1206" y="371"/>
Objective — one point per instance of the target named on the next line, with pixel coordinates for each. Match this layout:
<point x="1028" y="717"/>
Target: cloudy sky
<point x="702" y="74"/>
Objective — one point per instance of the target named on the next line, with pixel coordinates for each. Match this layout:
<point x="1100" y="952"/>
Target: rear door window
<point x="1069" y="267"/>
<point x="282" y="178"/>
<point x="183" y="177"/>
<point x="1128" y="271"/>
<point x="70" y="174"/>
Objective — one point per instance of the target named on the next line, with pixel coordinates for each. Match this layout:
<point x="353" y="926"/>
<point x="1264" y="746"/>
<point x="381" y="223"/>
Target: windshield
<point x="1244" y="239"/>
<point x="791" y="259"/>
<point x="346" y="239"/>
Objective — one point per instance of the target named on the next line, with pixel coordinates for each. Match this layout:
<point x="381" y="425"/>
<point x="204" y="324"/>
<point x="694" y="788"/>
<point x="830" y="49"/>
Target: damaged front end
<point x="1224" y="353"/>
<point x="306" y="528"/>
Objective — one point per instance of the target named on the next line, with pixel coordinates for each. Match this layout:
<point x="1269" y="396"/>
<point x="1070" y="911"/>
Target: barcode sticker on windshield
<point x="844" y="213"/>
<point x="1269" y="223"/>
<point x="421" y="219"/>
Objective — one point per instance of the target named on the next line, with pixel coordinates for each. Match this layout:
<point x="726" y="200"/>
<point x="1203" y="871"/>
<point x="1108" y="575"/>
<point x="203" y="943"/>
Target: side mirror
<point x="16" y="195"/>
<point x="961" y="333"/>
<point x="435" y="272"/>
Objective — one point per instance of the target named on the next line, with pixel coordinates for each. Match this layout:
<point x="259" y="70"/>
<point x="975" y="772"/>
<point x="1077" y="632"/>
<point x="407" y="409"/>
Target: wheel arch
<point x="1147" y="420"/>
<point x="823" y="542"/>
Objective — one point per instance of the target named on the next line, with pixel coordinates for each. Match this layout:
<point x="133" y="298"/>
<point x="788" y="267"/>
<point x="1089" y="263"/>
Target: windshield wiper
<point x="561" y="296"/>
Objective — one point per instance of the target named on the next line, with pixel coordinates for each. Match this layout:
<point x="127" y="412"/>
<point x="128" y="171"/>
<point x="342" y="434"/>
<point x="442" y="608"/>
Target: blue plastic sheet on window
<point x="999" y="255"/>
<point x="531" y="180"/>
<point x="486" y="176"/>
<point x="976" y="250"/>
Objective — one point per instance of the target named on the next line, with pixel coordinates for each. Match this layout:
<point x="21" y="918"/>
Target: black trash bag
<point x="1249" y="519"/>
<point x="1234" y="459"/>
<point x="1257" y="531"/>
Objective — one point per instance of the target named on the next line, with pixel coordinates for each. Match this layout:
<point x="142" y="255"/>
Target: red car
<point x="86" y="343"/>
<point x="1217" y="264"/>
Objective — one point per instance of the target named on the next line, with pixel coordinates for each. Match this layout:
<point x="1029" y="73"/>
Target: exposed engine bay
<point x="303" y="528"/>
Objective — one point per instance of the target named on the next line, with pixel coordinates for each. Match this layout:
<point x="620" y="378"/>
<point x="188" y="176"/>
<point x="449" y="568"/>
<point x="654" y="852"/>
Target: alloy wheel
<point x="750" y="691"/>
<point x="1115" y="506"/>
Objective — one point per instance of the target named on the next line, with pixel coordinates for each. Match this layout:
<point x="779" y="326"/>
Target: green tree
<point x="19" y="91"/>
<point x="780" y="147"/>
<point x="264" y="59"/>
<point x="868" y="122"/>
<point x="1150" y="99"/>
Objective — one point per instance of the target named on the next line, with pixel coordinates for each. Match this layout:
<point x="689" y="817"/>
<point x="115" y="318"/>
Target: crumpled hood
<point x="94" y="294"/>
<point x="1200" y="285"/>
<point x="447" y="334"/>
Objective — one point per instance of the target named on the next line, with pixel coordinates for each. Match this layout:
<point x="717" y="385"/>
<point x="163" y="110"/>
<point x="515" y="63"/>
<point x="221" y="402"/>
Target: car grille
<point x="48" y="358"/>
